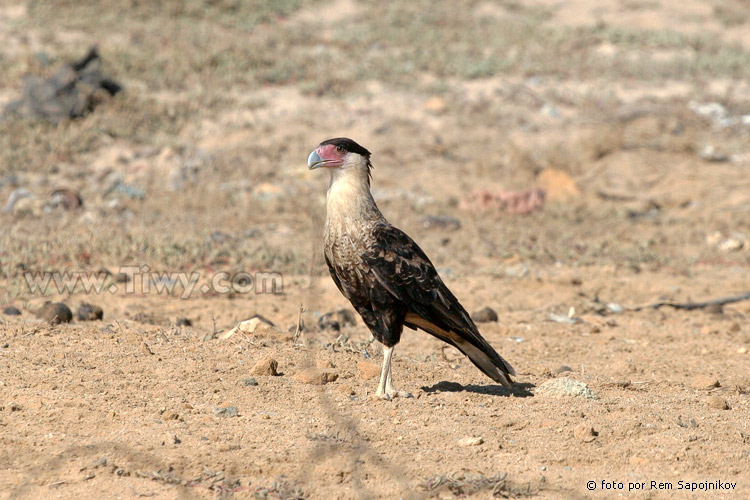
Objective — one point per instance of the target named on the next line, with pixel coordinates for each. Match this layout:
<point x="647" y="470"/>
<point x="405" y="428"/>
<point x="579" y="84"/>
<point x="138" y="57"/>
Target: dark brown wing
<point x="399" y="266"/>
<point x="382" y="312"/>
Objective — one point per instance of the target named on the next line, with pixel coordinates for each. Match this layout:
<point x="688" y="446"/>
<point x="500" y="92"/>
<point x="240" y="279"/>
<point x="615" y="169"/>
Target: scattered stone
<point x="585" y="433"/>
<point x="484" y="315"/>
<point x="266" y="366"/>
<point x="314" y="377"/>
<point x="28" y="207"/>
<point x="568" y="320"/>
<point x="55" y="313"/>
<point x="64" y="198"/>
<point x="717" y="402"/>
<point x="732" y="244"/>
<point x="443" y="222"/>
<point x="249" y="326"/>
<point x="558" y="185"/>
<point x="11" y="311"/>
<point x="15" y="196"/>
<point x="336" y="320"/>
<point x="562" y="369"/>
<point x="741" y="350"/>
<point x="711" y="154"/>
<point x="690" y="424"/>
<point x="72" y="92"/>
<point x="226" y="412"/>
<point x="89" y="312"/>
<point x="614" y="308"/>
<point x="705" y="382"/>
<point x="183" y="322"/>
<point x="470" y="441"/>
<point x="249" y="382"/>
<point x="565" y="387"/>
<point x="368" y="370"/>
<point x="170" y="415"/>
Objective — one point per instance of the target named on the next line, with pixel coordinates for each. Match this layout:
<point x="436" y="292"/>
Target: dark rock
<point x="55" y="313"/>
<point x="562" y="369"/>
<point x="72" y="92"/>
<point x="183" y="322"/>
<point x="67" y="199"/>
<point x="249" y="382"/>
<point x="227" y="412"/>
<point x="11" y="311"/>
<point x="336" y="320"/>
<point x="89" y="312"/>
<point x="484" y="315"/>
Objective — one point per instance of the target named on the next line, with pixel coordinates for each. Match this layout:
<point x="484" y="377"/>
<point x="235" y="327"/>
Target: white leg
<point x="385" y="373"/>
<point x="385" y="386"/>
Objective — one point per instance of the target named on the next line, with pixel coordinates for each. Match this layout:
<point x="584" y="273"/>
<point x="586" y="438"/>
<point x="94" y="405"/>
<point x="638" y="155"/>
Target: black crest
<point x="347" y="144"/>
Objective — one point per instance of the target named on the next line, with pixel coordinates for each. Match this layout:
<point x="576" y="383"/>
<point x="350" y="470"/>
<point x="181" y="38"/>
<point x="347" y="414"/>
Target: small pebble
<point x="484" y="315"/>
<point x="705" y="382"/>
<point x="183" y="322"/>
<point x="67" y="199"/>
<point x="470" y="441"/>
<point x="565" y="387"/>
<point x="266" y="366"/>
<point x="249" y="382"/>
<point x="718" y="403"/>
<point x="315" y="377"/>
<point x="11" y="311"/>
<point x="227" y="412"/>
<point x="562" y="369"/>
<point x="55" y="313"/>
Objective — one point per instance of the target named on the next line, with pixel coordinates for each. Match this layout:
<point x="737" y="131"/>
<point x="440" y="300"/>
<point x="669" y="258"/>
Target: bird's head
<point x="339" y="153"/>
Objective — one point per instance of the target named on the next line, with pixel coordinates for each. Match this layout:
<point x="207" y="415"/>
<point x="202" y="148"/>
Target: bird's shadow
<point x="519" y="390"/>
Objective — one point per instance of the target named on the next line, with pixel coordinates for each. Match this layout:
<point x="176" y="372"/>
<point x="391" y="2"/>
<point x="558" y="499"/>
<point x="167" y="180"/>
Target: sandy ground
<point x="637" y="212"/>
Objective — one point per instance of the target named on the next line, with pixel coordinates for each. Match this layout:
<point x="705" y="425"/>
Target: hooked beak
<point x="315" y="161"/>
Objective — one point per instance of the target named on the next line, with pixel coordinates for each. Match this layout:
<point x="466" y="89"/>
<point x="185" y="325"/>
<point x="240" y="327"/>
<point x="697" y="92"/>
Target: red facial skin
<point x="334" y="155"/>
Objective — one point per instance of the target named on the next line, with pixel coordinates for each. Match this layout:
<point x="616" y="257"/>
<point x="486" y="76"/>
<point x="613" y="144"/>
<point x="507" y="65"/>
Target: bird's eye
<point x="339" y="149"/>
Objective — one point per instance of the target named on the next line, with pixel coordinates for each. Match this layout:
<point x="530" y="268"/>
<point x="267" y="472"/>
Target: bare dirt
<point x="631" y="115"/>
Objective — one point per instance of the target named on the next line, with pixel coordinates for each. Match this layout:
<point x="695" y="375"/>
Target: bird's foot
<point x="389" y="395"/>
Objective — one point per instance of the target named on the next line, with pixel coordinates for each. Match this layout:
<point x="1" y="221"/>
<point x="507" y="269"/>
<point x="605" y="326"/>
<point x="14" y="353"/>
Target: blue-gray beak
<point x="314" y="161"/>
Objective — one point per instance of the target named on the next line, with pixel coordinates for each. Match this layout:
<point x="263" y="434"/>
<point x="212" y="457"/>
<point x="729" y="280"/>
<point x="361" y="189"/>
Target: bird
<point x="386" y="276"/>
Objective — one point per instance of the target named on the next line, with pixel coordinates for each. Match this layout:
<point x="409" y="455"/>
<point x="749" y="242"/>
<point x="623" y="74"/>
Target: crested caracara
<point x="388" y="279"/>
